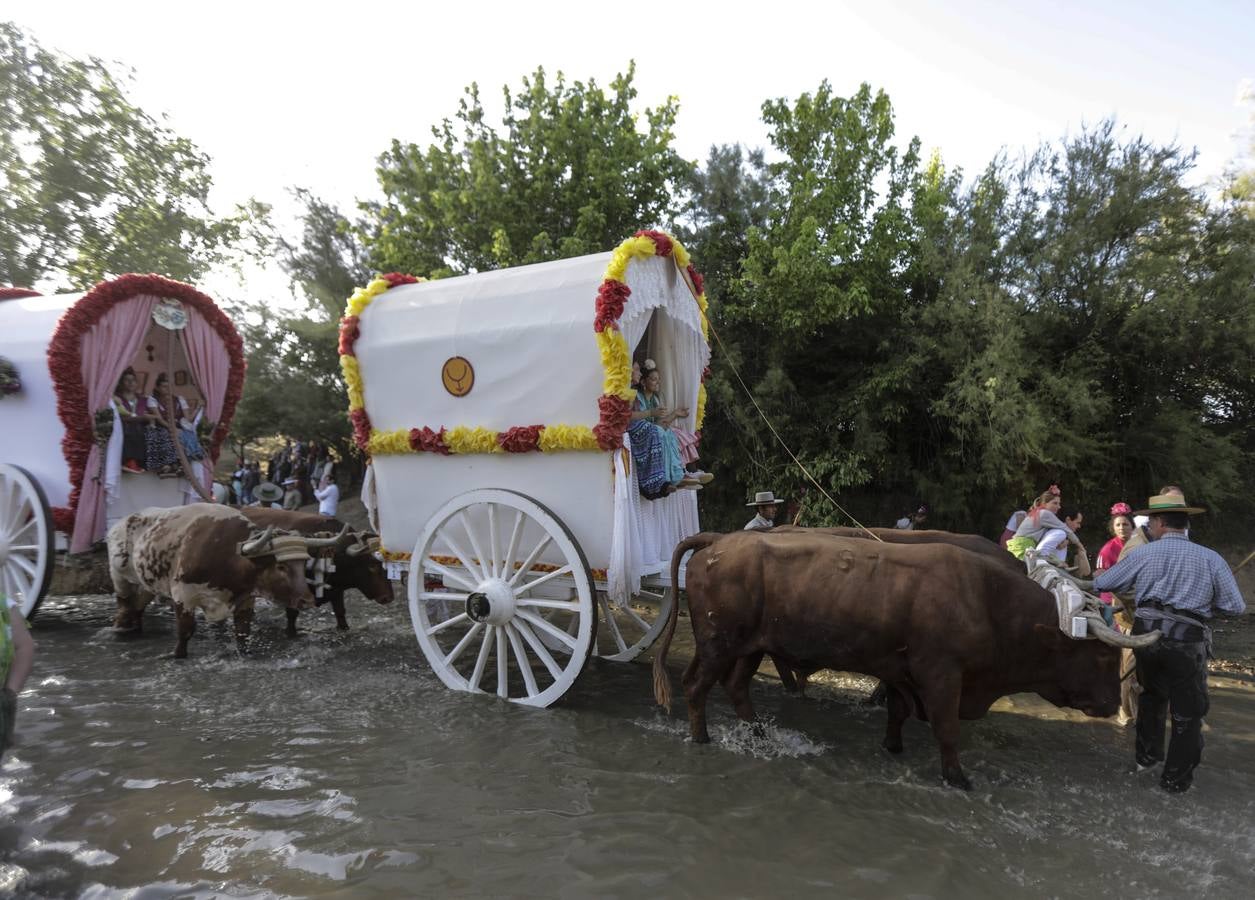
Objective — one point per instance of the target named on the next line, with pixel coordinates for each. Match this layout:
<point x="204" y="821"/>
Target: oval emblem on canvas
<point x="458" y="376"/>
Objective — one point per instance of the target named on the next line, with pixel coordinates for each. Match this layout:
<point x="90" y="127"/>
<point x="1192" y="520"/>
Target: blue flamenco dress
<point x="655" y="452"/>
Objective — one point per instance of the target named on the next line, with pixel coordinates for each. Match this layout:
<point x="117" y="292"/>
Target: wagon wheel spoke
<point x="515" y="533"/>
<point x="463" y="644"/>
<point x="548" y="576"/>
<point x="448" y="623"/>
<point x="542" y="652"/>
<point x="525" y="667"/>
<point x="442" y="595"/>
<point x="531" y="558"/>
<point x="482" y="565"/>
<point x="614" y="626"/>
<point x="628" y="632"/>
<point x="467" y="561"/>
<point x="449" y="575"/>
<point x="503" y="663"/>
<point x="549" y="604"/>
<point x="558" y="634"/>
<point x="493" y="558"/>
<point x="481" y="661"/>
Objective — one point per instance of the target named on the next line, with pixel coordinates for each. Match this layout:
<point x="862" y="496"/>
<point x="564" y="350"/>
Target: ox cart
<point x="494" y="408"/>
<point x="62" y="482"/>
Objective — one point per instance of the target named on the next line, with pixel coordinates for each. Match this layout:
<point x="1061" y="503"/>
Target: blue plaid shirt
<point x="1176" y="573"/>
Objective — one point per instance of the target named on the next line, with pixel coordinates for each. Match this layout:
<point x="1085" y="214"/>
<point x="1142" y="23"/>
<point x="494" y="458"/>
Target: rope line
<point x="780" y="440"/>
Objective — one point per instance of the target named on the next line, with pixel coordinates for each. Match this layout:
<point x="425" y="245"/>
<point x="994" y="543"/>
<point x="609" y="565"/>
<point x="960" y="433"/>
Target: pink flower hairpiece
<point x="1053" y="489"/>
<point x="1121" y="509"/>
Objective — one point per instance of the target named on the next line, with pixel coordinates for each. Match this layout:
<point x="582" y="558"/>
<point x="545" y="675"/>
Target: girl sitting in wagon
<point x="162" y="456"/>
<point x="657" y="449"/>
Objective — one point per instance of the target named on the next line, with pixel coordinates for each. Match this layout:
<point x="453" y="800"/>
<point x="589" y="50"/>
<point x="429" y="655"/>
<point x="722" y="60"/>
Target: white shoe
<point x="700" y="477"/>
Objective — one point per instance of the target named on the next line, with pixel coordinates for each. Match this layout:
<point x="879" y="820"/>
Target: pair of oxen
<point x="218" y="559"/>
<point x="948" y="622"/>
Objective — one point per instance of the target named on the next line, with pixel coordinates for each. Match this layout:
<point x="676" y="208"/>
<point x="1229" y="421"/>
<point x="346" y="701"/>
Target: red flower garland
<point x="611" y="297"/>
<point x="616" y="413"/>
<point x="16" y="293"/>
<point x="662" y="242"/>
<point x="425" y="440"/>
<point x="65" y="366"/>
<point x="520" y="439"/>
<point x="349" y="333"/>
<point x="361" y="429"/>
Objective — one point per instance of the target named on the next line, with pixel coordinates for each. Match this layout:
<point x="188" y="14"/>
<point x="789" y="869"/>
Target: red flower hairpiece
<point x="1053" y="489"/>
<point x="1121" y="509"/>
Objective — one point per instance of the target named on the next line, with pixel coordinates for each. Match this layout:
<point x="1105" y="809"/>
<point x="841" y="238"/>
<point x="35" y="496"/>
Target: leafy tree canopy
<point x="573" y="170"/>
<point x="91" y="185"/>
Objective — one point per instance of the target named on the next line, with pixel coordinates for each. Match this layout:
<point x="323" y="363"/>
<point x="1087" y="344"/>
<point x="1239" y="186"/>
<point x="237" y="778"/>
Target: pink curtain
<point x="210" y="364"/>
<point x="107" y="349"/>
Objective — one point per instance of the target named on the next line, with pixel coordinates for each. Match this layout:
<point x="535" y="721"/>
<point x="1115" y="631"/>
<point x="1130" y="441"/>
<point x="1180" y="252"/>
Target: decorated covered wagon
<point x="495" y="409"/>
<point x="66" y="420"/>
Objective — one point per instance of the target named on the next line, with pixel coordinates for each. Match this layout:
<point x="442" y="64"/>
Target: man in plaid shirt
<point x="1179" y="586"/>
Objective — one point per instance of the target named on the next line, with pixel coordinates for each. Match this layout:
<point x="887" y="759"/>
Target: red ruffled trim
<point x="610" y="299"/>
<point x="698" y="282"/>
<point x="662" y="242"/>
<point x="63" y="519"/>
<point x="396" y="279"/>
<point x="428" y="441"/>
<point x="361" y="429"/>
<point x="65" y="365"/>
<point x="520" y="439"/>
<point x="16" y="293"/>
<point x="616" y="413"/>
<point x="349" y="333"/>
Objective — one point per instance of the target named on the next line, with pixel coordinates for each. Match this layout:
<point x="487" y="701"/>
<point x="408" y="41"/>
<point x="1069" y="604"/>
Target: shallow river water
<point x="338" y="765"/>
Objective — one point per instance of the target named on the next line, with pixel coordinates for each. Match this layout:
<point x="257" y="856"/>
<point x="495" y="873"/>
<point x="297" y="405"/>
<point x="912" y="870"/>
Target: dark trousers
<point x="1173" y="675"/>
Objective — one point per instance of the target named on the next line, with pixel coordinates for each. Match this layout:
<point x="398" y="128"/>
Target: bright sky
<point x="282" y="94"/>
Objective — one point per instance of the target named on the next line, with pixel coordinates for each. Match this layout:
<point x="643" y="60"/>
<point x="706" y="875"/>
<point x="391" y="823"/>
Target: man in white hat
<point x="767" y="505"/>
<point x="1179" y="586"/>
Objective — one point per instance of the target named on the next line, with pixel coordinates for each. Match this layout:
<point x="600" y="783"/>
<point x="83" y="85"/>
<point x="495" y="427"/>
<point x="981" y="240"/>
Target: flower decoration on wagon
<point x="10" y="381"/>
<point x="614" y="406"/>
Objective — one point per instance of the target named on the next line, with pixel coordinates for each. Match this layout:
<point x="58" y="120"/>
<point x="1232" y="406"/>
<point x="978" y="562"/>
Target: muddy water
<point x="338" y="765"/>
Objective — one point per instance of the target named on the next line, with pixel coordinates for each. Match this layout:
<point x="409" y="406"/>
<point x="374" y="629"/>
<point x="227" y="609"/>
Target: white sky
<point x="282" y="94"/>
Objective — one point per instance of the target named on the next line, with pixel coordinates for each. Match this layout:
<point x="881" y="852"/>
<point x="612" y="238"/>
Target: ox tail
<point x="662" y="681"/>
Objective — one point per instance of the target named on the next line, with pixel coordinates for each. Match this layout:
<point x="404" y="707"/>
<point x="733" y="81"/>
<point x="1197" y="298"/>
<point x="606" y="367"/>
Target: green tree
<point x="572" y="172"/>
<point x="91" y="185"/>
<point x="812" y="317"/>
<point x="294" y="385"/>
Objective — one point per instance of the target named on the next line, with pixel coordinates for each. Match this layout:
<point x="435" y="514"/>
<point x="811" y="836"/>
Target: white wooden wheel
<point x="517" y="599"/>
<point x="26" y="538"/>
<point x="625" y="632"/>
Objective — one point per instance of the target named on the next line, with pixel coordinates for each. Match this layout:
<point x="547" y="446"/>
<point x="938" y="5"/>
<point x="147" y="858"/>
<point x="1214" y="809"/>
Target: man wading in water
<point x="1179" y="586"/>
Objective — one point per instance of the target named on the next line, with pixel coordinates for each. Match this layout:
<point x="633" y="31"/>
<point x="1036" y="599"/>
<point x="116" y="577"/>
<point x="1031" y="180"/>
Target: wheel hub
<point x="493" y="603"/>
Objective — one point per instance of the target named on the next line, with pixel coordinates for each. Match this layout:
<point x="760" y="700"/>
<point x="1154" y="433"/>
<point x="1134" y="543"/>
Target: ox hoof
<point x="700" y="739"/>
<point x="957" y="779"/>
<point x="342" y="628"/>
<point x="125" y="631"/>
<point x="292" y="633"/>
<point x="892" y="746"/>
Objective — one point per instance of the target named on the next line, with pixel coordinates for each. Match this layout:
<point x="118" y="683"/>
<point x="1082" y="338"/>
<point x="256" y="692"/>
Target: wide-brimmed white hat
<point x="764" y="498"/>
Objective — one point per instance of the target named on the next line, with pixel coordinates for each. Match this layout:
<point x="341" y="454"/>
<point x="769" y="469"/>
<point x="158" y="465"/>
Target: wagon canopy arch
<point x="71" y="350"/>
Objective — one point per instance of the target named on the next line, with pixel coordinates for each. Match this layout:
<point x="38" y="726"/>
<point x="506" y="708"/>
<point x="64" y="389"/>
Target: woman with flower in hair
<point x="1043" y="517"/>
<point x="1120" y="526"/>
<point x="655" y="450"/>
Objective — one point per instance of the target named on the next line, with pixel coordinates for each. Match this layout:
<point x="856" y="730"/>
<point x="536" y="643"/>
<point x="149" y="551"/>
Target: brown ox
<point x="949" y="631"/>
<point x="795" y="681"/>
<point x="355" y="564"/>
<point x="202" y="556"/>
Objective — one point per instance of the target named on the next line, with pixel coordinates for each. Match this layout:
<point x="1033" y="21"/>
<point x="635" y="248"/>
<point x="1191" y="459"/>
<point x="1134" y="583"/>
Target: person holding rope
<point x="1179" y="586"/>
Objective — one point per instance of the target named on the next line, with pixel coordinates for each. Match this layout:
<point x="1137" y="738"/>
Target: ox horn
<point x="366" y="543"/>
<point x="258" y="545"/>
<point x="1102" y="631"/>
<point x="322" y="543"/>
